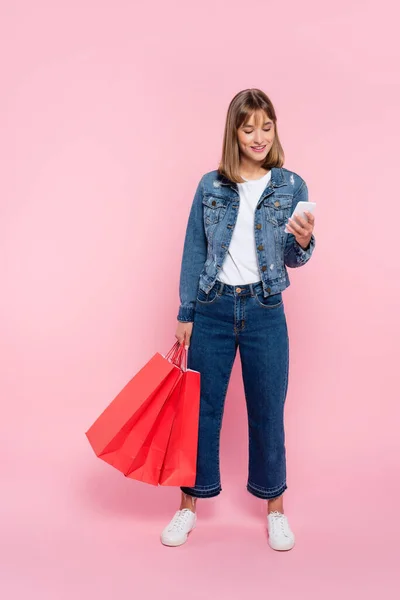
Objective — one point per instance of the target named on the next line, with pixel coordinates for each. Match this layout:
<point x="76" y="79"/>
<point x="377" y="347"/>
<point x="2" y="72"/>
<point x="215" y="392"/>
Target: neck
<point x="253" y="174"/>
<point x="251" y="170"/>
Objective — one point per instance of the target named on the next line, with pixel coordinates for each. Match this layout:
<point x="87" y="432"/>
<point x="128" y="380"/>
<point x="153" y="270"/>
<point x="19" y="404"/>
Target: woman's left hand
<point x="302" y="229"/>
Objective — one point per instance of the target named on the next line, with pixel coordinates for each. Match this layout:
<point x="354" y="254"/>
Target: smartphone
<point x="301" y="207"/>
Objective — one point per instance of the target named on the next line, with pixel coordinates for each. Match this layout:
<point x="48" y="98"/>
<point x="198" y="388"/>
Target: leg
<point x="264" y="351"/>
<point x="276" y="504"/>
<point x="212" y="352"/>
<point x="188" y="502"/>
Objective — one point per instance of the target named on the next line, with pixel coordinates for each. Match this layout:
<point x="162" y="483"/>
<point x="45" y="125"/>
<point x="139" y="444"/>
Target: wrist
<point x="305" y="244"/>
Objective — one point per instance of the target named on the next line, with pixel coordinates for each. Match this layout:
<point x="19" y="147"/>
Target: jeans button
<point x="238" y="290"/>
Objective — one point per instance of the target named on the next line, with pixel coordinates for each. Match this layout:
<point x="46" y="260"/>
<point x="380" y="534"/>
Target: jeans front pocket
<point x="273" y="301"/>
<point x="210" y="298"/>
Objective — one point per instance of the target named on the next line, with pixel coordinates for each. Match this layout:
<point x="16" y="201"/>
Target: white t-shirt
<point x="240" y="265"/>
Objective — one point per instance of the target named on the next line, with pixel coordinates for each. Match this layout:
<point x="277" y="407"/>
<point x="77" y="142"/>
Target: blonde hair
<point x="240" y="109"/>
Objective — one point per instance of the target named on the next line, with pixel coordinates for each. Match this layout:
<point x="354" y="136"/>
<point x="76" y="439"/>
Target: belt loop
<point x="251" y="289"/>
<point x="221" y="287"/>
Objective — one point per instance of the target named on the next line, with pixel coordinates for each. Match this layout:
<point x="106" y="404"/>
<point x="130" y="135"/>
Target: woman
<point x="233" y="273"/>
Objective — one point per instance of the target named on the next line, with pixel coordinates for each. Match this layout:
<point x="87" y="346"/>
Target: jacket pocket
<point x="278" y="208"/>
<point x="214" y="209"/>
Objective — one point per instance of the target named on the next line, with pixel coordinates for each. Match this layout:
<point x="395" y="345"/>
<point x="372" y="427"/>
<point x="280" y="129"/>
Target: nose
<point x="258" y="137"/>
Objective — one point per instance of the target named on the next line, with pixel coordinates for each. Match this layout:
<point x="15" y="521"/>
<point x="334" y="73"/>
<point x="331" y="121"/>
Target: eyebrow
<point x="266" y="123"/>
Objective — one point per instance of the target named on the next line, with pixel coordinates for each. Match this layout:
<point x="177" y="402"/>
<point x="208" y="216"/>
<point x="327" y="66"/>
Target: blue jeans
<point x="226" y="318"/>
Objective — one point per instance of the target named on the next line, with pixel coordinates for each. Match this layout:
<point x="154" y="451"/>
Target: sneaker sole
<point x="178" y="543"/>
<point x="280" y="549"/>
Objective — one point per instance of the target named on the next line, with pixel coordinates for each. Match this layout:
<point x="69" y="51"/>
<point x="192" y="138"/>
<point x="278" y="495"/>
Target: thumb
<point x="187" y="341"/>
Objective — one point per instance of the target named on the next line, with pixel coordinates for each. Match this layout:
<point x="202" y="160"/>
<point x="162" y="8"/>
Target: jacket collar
<point x="277" y="178"/>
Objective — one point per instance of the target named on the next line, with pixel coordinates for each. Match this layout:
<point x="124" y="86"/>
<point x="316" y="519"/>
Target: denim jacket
<point x="210" y="226"/>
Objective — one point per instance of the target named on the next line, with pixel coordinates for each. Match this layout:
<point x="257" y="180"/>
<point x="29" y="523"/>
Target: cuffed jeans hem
<point x="202" y="493"/>
<point x="266" y="494"/>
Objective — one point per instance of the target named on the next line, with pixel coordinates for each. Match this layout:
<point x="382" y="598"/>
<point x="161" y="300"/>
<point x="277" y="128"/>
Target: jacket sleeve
<point x="295" y="255"/>
<point x="193" y="258"/>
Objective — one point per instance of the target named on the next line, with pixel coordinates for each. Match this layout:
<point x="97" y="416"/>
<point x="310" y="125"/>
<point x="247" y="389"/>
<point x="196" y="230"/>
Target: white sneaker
<point x="176" y="532"/>
<point x="280" y="536"/>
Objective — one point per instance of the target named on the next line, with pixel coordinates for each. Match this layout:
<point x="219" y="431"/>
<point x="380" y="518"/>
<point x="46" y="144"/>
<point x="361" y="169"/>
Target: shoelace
<point x="279" y="519"/>
<point x="179" y="520"/>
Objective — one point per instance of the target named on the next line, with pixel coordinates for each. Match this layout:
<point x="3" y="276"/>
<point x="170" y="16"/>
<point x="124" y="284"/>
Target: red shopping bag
<point x="134" y="410"/>
<point x="147" y="465"/>
<point x="179" y="468"/>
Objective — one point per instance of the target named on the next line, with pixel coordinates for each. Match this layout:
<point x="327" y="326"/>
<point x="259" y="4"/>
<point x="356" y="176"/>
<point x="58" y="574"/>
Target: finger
<point x="302" y="222"/>
<point x="186" y="341"/>
<point x="295" y="226"/>
<point x="305" y="226"/>
<point x="310" y="217"/>
<point x="180" y="338"/>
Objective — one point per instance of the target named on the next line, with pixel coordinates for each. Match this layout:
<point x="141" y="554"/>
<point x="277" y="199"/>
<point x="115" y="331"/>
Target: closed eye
<point x="248" y="132"/>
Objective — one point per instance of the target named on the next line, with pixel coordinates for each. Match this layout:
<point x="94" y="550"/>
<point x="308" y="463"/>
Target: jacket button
<point x="276" y="204"/>
<point x="213" y="203"/>
<point x="260" y="247"/>
<point x="258" y="226"/>
<point x="264" y="268"/>
<point x="268" y="290"/>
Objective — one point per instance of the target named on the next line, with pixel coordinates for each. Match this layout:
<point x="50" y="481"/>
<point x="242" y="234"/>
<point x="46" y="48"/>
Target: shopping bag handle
<point x="179" y="354"/>
<point x="176" y="354"/>
<point x="173" y="351"/>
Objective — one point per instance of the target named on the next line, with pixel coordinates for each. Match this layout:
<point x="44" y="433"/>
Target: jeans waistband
<point x="249" y="289"/>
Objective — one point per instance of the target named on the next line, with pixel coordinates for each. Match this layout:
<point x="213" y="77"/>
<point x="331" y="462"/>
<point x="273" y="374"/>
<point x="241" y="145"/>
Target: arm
<point x="193" y="259"/>
<point x="295" y="255"/>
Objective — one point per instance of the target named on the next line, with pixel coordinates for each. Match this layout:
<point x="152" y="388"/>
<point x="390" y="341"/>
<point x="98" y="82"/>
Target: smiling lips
<point x="257" y="148"/>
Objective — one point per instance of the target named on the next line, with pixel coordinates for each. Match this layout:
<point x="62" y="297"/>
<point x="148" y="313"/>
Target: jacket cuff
<point x="304" y="253"/>
<point x="186" y="313"/>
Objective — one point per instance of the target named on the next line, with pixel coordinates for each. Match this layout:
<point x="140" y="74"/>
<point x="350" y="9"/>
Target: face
<point x="256" y="136"/>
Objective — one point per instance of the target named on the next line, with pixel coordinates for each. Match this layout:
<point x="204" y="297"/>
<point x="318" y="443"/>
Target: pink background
<point x="110" y="113"/>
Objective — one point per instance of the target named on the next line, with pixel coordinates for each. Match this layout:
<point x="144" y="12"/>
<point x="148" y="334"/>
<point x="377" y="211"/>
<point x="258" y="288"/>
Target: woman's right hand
<point x="183" y="333"/>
